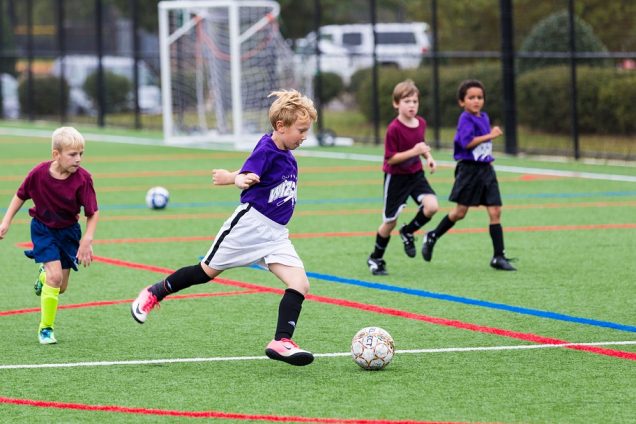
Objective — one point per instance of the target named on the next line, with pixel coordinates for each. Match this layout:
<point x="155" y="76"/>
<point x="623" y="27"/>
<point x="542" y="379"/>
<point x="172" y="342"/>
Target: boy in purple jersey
<point x="404" y="175"/>
<point x="59" y="189"/>
<point x="256" y="232"/>
<point x="475" y="179"/>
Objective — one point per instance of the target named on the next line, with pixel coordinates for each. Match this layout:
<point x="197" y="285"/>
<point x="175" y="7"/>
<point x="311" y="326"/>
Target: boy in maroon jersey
<point x="59" y="189"/>
<point x="404" y="175"/>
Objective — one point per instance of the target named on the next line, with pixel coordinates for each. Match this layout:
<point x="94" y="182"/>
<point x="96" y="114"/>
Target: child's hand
<point x="432" y="165"/>
<point x="3" y="230"/>
<point x="421" y="148"/>
<point x="85" y="253"/>
<point x="244" y="181"/>
<point x="222" y="177"/>
<point x="496" y="132"/>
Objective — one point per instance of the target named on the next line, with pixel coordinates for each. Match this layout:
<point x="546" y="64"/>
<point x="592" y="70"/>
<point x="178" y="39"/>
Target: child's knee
<point x="301" y="286"/>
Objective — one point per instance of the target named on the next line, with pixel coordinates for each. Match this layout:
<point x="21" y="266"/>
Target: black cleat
<point x="377" y="266"/>
<point x="427" y="247"/>
<point x="409" y="242"/>
<point x="502" y="263"/>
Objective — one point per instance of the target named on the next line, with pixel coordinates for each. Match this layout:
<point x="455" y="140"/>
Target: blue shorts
<point x="55" y="244"/>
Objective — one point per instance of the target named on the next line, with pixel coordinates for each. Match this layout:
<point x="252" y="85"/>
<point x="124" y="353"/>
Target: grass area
<point x="471" y="341"/>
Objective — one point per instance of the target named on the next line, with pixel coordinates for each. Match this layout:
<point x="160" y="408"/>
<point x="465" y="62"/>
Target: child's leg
<point x="291" y="304"/>
<point x="185" y="277"/>
<point x="282" y="348"/>
<point x="425" y="212"/>
<point x="382" y="239"/>
<point x="456" y="214"/>
<point x="496" y="231"/>
<point x="55" y="277"/>
<point x="182" y="279"/>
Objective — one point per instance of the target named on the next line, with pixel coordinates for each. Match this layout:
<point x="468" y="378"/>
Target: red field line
<point x="203" y="414"/>
<point x="209" y="238"/>
<point x="529" y="337"/>
<point x="118" y="302"/>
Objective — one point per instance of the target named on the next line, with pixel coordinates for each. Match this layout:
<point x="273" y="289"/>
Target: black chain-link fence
<point x="559" y="75"/>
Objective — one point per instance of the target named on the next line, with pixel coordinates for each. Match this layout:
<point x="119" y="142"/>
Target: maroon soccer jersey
<point x="56" y="202"/>
<point x="400" y="138"/>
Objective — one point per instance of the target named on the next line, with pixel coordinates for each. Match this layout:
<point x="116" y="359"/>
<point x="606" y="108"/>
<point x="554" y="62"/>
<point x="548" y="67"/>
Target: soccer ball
<point x="157" y="198"/>
<point x="372" y="348"/>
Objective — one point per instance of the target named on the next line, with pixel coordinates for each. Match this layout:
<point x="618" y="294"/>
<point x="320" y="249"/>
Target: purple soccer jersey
<point x="275" y="195"/>
<point x="400" y="138"/>
<point x="470" y="126"/>
<point x="57" y="203"/>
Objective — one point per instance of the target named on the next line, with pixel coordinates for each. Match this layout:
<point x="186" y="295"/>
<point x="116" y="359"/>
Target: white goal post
<point x="219" y="61"/>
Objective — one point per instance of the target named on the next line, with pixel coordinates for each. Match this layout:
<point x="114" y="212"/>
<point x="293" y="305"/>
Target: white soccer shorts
<point x="249" y="237"/>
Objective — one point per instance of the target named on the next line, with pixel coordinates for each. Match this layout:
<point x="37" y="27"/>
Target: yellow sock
<point x="48" y="306"/>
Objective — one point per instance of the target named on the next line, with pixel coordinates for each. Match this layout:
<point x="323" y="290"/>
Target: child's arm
<point x="430" y="162"/>
<point x="494" y="133"/>
<point x="223" y="176"/>
<point x="85" y="251"/>
<point x="419" y="149"/>
<point x="246" y="180"/>
<point x="14" y="207"/>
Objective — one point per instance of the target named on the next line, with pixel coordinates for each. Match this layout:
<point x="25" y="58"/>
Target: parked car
<point x="346" y="48"/>
<point x="78" y="67"/>
<point x="10" y="102"/>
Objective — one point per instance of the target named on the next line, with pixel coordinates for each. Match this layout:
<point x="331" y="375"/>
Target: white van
<point x="10" y="102"/>
<point x="78" y="67"/>
<point x="346" y="48"/>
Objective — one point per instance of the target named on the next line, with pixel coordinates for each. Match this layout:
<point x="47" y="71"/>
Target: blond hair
<point x="66" y="137"/>
<point x="404" y="89"/>
<point x="291" y="106"/>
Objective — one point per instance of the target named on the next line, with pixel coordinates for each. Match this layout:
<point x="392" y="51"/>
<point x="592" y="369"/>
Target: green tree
<point x="552" y="35"/>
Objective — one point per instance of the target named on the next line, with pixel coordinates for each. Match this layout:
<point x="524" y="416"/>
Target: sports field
<point x="554" y="342"/>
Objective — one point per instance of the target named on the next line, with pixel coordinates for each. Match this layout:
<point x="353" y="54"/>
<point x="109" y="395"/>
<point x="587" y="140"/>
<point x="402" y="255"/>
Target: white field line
<point x="22" y="132"/>
<point x="318" y="355"/>
<point x="502" y="168"/>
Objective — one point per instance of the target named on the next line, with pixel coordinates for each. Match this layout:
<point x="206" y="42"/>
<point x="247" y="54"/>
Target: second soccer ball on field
<point x="157" y="198"/>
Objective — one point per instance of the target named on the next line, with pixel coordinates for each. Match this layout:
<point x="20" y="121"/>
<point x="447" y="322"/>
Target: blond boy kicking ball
<point x="256" y="232"/>
<point x="59" y="188"/>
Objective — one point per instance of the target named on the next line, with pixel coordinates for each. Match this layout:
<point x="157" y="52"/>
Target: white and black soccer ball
<point x="157" y="198"/>
<point x="372" y="348"/>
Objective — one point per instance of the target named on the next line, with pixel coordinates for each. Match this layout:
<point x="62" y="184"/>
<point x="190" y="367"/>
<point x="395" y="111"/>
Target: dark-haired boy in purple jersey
<point x="256" y="232"/>
<point x="404" y="175"/>
<point x="59" y="189"/>
<point x="475" y="179"/>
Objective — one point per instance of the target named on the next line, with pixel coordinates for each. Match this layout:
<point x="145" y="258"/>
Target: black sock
<point x="496" y="234"/>
<point x="288" y="313"/>
<point x="179" y="280"/>
<point x="418" y="222"/>
<point x="444" y="225"/>
<point x="380" y="246"/>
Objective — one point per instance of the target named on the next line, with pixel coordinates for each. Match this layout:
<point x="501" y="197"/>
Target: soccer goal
<point x="219" y="61"/>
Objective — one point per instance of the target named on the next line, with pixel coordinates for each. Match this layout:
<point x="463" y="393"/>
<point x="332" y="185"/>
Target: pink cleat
<point x="287" y="351"/>
<point x="142" y="306"/>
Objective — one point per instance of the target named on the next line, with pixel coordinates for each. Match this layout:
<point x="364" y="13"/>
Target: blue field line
<point x="474" y="302"/>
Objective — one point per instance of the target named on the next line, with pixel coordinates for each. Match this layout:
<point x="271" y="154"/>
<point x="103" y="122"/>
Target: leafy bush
<point x="450" y="78"/>
<point x="332" y="86"/>
<point x="617" y="95"/>
<point x="552" y="34"/>
<point x="545" y="96"/>
<point x="46" y="95"/>
<point x="116" y="91"/>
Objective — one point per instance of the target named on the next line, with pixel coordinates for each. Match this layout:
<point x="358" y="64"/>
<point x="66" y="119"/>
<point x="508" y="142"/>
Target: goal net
<point x="219" y="61"/>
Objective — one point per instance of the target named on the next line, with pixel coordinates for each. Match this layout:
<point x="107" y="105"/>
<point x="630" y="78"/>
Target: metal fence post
<point x="508" y="70"/>
<point x="573" y="89"/>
